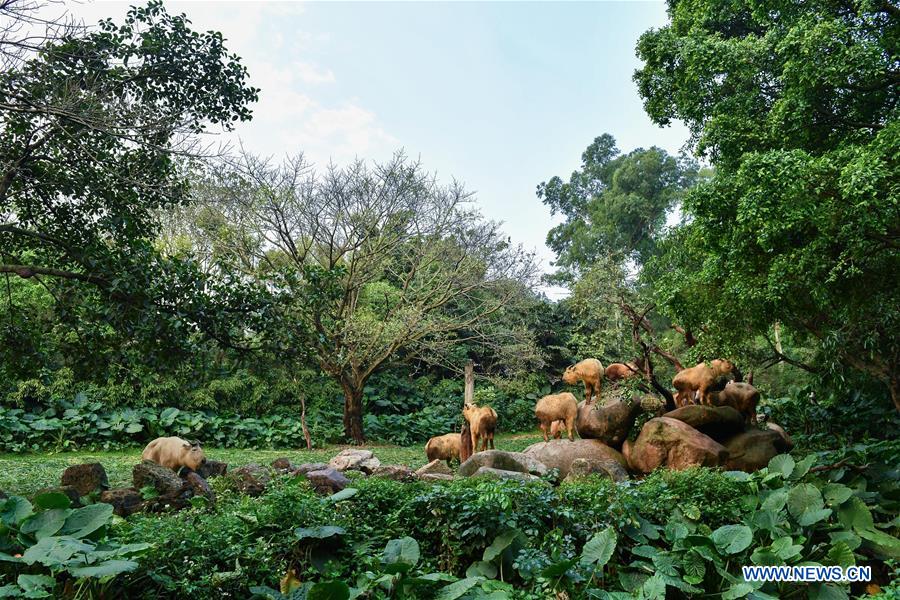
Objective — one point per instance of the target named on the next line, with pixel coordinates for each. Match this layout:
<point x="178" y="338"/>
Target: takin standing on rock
<point x="699" y="379"/>
<point x="482" y="423"/>
<point x="557" y="407"/>
<point x="174" y="453"/>
<point x="590" y="372"/>
<point x="740" y="396"/>
<point x="443" y="447"/>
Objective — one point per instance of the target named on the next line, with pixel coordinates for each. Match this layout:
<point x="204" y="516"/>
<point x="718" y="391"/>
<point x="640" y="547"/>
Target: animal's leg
<point x="491" y="439"/>
<point x="474" y="433"/>
<point x="570" y="427"/>
<point x="544" y="430"/>
<point x="587" y="392"/>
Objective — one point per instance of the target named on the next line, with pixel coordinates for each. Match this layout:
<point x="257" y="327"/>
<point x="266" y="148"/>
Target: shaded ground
<point x="26" y="473"/>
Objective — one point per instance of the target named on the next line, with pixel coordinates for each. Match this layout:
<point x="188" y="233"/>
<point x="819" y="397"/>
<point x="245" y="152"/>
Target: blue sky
<point x="499" y="95"/>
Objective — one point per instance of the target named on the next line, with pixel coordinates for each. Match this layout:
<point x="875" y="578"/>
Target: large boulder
<point x="198" y="487"/>
<point x="212" y="468"/>
<point x="395" y="472"/>
<point x="125" y="501"/>
<point x="162" y="479"/>
<point x="785" y="438"/>
<point x="353" y="459"/>
<point x="609" y="423"/>
<point x="718" y="422"/>
<point x="753" y="449"/>
<point x="86" y="478"/>
<point x="282" y="464"/>
<point x="584" y="467"/>
<point x="436" y="477"/>
<point x="559" y="454"/>
<point x="327" y="481"/>
<point x="435" y="467"/>
<point x="504" y="461"/>
<point x="492" y="473"/>
<point x="251" y="479"/>
<point x="307" y="467"/>
<point x="671" y="443"/>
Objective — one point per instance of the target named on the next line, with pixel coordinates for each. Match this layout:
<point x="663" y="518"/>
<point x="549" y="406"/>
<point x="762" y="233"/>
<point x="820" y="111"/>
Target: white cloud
<point x="309" y="73"/>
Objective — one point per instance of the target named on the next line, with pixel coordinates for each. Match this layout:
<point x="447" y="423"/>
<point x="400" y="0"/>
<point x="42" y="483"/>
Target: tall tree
<point x="797" y="106"/>
<point x="370" y="261"/>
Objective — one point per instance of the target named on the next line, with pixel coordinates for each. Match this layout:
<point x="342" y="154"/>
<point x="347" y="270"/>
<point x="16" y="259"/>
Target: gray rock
<point x="504" y="461"/>
<point x="307" y="467"/>
<point x="352" y="459"/>
<point x="718" y="422"/>
<point x="752" y="450"/>
<point x="125" y="501"/>
<point x="559" y="454"/>
<point x="584" y="467"/>
<point x="609" y="423"/>
<point x="197" y="486"/>
<point x="436" y="477"/>
<point x="327" y="481"/>
<point x="86" y="478"/>
<point x="160" y="478"/>
<point x="282" y="464"/>
<point x="491" y="473"/>
<point x="212" y="468"/>
<point x="251" y="479"/>
<point x="435" y="467"/>
<point x="395" y="472"/>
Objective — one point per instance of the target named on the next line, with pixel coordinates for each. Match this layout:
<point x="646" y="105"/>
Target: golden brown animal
<point x="620" y="371"/>
<point x="556" y="428"/>
<point x="557" y="407"/>
<point x="443" y="447"/>
<point x="740" y="396"/>
<point x="590" y="372"/>
<point x="174" y="453"/>
<point x="482" y="422"/>
<point x="699" y="379"/>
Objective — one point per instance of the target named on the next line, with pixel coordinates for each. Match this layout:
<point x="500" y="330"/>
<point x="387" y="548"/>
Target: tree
<point x="796" y="104"/>
<point x="367" y="262"/>
<point x="93" y="123"/>
<point x="615" y="206"/>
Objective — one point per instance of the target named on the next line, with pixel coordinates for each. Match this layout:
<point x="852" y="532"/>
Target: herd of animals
<point x="554" y="411"/>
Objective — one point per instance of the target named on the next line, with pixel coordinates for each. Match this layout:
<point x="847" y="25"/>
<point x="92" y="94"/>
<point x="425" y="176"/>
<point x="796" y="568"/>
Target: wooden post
<point x="465" y="435"/>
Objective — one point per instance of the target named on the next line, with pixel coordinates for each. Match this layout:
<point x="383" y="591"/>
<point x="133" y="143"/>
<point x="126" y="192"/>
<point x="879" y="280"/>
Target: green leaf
<point x="823" y="591"/>
<point x="10" y="591"/>
<point x="738" y="590"/>
<point x="14" y="510"/>
<point x="882" y="543"/>
<point x="814" y="516"/>
<point x="49" y="500"/>
<point x="841" y="555"/>
<point x="691" y="511"/>
<point x="654" y="588"/>
<point x="328" y="590"/>
<point x="775" y="500"/>
<point x="732" y="538"/>
<point x="457" y="589"/>
<point x="804" y="498"/>
<point x="36" y="583"/>
<point x="105" y="569"/>
<point x="403" y="553"/>
<point x="85" y="521"/>
<point x="783" y="464"/>
<point x="318" y="533"/>
<point x="854" y="514"/>
<point x="342" y="495"/>
<point x="45" y="523"/>
<point x="133" y="428"/>
<point x="482" y="568"/>
<point x="54" y="551"/>
<point x="848" y="537"/>
<point x="737" y="475"/>
<point x="599" y="549"/>
<point x="785" y="548"/>
<point x="558" y="568"/>
<point x="500" y="543"/>
<point x="803" y="466"/>
<point x="836" y="493"/>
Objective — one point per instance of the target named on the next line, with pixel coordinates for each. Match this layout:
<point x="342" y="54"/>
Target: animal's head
<point x="570" y="376"/>
<point x="722" y="366"/>
<point x="193" y="455"/>
<point x="468" y="410"/>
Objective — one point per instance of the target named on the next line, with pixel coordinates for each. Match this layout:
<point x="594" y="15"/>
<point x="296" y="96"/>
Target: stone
<point x="753" y="449"/>
<point x="282" y="464"/>
<point x="435" y="467"/>
<point x="164" y="480"/>
<point x="785" y="438"/>
<point x="86" y="478"/>
<point x="491" y="473"/>
<point x="352" y="459"/>
<point x="609" y="423"/>
<point x="327" y="481"/>
<point x="307" y="467"/>
<point x="667" y="442"/>
<point x="395" y="472"/>
<point x="505" y="461"/>
<point x="125" y="501"/>
<point x="198" y="487"/>
<point x="559" y="454"/>
<point x="68" y="490"/>
<point x="718" y="422"/>
<point x="212" y="468"/>
<point x="251" y="479"/>
<point x="584" y="467"/>
<point x="436" y="477"/>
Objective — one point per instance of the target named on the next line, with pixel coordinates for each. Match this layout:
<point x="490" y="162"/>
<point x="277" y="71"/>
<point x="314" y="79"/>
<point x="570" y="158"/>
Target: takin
<point x="556" y="428"/>
<point x="174" y="453"/>
<point x="619" y="371"/>
<point x="699" y="379"/>
<point x="557" y="407"/>
<point x="443" y="447"/>
<point x="740" y="396"/>
<point x="482" y="423"/>
<point x="590" y="372"/>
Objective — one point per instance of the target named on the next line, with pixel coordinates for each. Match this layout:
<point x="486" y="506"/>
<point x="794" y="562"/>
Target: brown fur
<point x="557" y="407"/>
<point x="443" y="447"/>
<point x="590" y="372"/>
<point x="174" y="453"/>
<point x="482" y="422"/>
<point x="699" y="379"/>
<point x="742" y="397"/>
<point x="619" y="371"/>
<point x="556" y="429"/>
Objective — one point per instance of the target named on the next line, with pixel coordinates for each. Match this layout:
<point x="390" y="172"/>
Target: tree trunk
<point x="353" y="425"/>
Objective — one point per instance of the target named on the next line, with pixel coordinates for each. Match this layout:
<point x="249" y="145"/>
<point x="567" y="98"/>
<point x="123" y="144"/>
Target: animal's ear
<point x="187" y="444"/>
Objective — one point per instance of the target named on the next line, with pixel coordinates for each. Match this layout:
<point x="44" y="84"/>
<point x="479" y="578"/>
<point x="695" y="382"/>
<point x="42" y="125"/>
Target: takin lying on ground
<point x="174" y="453"/>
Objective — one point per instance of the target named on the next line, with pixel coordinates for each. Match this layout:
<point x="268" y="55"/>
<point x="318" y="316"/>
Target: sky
<point x="499" y="95"/>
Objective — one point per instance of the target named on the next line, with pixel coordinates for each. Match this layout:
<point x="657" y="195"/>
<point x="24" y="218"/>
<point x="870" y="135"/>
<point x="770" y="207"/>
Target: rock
<point x="355" y="460"/>
<point x="395" y="472"/>
<point x="435" y="467"/>
<point x="282" y="464"/>
<point x="125" y="501"/>
<point x="753" y="449"/>
<point x="559" y="454"/>
<point x="212" y="468"/>
<point x="718" y="422"/>
<point x="609" y="423"/>
<point x="327" y="481"/>
<point x="68" y="490"/>
<point x="251" y="479"/>
<point x="198" y="487"/>
<point x="668" y="442"/>
<point x="160" y="478"/>
<point x="786" y="439"/>
<point x="436" y="477"/>
<point x="86" y="478"/>
<point x="583" y="467"/>
<point x="491" y="473"/>
<point x="505" y="461"/>
<point x="307" y="467"/>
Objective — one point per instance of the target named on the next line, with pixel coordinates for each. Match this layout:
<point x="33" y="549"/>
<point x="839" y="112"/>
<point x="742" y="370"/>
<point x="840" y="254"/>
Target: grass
<point x="24" y="474"/>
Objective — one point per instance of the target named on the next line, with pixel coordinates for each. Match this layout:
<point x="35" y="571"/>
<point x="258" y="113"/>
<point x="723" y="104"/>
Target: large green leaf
<point x="500" y="543"/>
<point x="738" y="590"/>
<point x="54" y="551"/>
<point x="854" y="514"/>
<point x="85" y="521"/>
<point x="14" y="509"/>
<point x="52" y="500"/>
<point x="775" y="500"/>
<point x="783" y="464"/>
<point x="401" y="555"/>
<point x="344" y="494"/>
<point x="45" y="523"/>
<point x="105" y="569"/>
<point x="328" y="590"/>
<point x="804" y="498"/>
<point x="318" y="533"/>
<point x="880" y="542"/>
<point x="822" y="591"/>
<point x="36" y="586"/>
<point x="599" y="549"/>
<point x="732" y="539"/>
<point x="457" y="589"/>
<point x="841" y="555"/>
